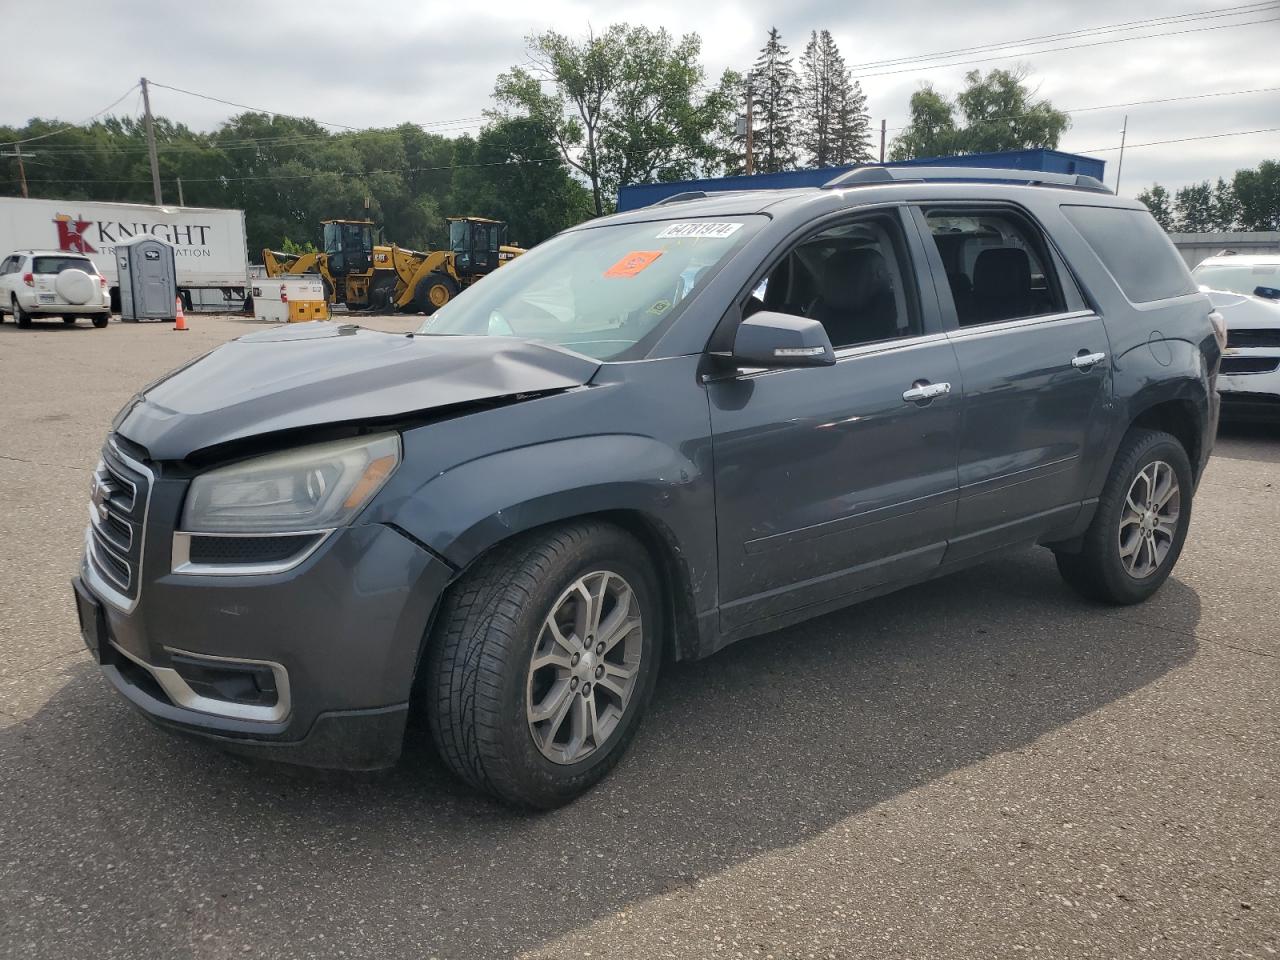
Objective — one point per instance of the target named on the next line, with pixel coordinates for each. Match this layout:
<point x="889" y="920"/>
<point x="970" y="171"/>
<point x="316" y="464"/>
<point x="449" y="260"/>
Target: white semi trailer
<point x="209" y="245"/>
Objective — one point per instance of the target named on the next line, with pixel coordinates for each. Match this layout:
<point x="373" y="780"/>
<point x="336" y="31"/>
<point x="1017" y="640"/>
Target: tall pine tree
<point x="820" y="67"/>
<point x="773" y="80"/>
<point x="851" y="140"/>
<point x="833" y="123"/>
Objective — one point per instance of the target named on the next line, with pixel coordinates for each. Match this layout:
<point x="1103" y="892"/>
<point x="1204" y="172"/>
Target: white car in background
<point x="1246" y="291"/>
<point x="53" y="283"/>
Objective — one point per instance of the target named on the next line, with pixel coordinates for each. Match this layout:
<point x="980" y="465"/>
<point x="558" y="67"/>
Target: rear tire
<point x="517" y="650"/>
<point x="433" y="292"/>
<point x="20" y="316"/>
<point x="100" y="322"/>
<point x="1140" y="525"/>
<point x="69" y="321"/>
<point x="382" y="291"/>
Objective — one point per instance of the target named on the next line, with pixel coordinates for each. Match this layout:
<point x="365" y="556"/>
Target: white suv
<point x="53" y="282"/>
<point x="1245" y="289"/>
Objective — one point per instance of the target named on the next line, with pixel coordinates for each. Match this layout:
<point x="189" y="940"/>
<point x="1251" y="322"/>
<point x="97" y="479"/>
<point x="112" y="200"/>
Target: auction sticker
<point x="699" y="230"/>
<point x="633" y="263"/>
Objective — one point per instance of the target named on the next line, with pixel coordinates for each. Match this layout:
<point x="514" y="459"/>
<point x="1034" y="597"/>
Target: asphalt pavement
<point x="985" y="766"/>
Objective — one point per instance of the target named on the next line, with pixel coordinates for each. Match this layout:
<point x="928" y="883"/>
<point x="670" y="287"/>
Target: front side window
<point x="608" y="292"/>
<point x="58" y="264"/>
<point x="998" y="265"/>
<point x="853" y="278"/>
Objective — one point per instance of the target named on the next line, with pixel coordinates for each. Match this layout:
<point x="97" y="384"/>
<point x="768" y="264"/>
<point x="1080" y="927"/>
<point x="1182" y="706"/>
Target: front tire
<point x="1140" y="525"/>
<point x="543" y="661"/>
<point x="69" y="321"/>
<point x="433" y="292"/>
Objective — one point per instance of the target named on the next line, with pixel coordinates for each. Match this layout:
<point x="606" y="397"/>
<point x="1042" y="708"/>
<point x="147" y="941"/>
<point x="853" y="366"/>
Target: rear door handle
<point x="925" y="391"/>
<point x="1086" y="360"/>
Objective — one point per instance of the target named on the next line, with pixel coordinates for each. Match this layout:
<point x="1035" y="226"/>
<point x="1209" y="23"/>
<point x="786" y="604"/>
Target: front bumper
<point x="1251" y="396"/>
<point x="339" y="638"/>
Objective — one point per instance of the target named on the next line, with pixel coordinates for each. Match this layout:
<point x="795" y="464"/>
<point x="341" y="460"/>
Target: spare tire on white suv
<point x="75" y="286"/>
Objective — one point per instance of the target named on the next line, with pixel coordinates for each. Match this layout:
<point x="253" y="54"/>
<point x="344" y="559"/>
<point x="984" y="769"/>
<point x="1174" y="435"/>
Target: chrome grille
<point x="119" y="492"/>
<point x="1253" y="338"/>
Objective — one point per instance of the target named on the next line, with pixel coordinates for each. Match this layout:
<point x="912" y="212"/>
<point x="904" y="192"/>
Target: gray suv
<point x="651" y="436"/>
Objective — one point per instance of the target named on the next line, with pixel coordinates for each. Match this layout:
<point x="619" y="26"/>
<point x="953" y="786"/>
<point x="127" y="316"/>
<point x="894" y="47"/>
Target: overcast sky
<point x="383" y="64"/>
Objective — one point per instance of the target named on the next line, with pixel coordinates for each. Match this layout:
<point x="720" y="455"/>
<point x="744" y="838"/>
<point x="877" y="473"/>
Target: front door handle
<point x="925" y="391"/>
<point x="1086" y="360"/>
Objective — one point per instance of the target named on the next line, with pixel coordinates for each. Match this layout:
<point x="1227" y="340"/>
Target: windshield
<point x="608" y="292"/>
<point x="1237" y="277"/>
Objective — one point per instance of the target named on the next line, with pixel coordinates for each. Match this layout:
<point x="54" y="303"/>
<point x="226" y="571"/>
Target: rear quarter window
<point x="1136" y="252"/>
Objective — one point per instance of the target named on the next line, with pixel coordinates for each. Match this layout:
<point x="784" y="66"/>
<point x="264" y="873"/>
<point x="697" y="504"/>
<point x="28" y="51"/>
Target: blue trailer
<point x="1044" y="161"/>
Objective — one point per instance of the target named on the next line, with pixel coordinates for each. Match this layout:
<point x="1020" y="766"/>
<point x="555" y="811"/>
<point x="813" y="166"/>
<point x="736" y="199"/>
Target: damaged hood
<point x="322" y="373"/>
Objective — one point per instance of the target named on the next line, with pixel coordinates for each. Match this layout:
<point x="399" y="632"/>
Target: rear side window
<point x="1136" y="252"/>
<point x="998" y="265"/>
<point x="58" y="264"/>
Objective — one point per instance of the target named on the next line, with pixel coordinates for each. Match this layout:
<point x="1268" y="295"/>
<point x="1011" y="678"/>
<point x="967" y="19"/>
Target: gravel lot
<point x="984" y="766"/>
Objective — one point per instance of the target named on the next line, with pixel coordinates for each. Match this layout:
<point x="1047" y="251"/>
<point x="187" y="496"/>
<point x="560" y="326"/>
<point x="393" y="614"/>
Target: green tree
<point x="773" y="83"/>
<point x="625" y="106"/>
<point x="832" y="110"/>
<point x="1226" y="208"/>
<point x="510" y="177"/>
<point x="1159" y="203"/>
<point x="821" y="67"/>
<point x="1001" y="113"/>
<point x="289" y="174"/>
<point x="1195" y="206"/>
<point x="1258" y="194"/>
<point x="996" y="112"/>
<point x="931" y="131"/>
<point x="852" y="129"/>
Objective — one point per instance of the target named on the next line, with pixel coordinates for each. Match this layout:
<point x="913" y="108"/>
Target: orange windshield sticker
<point x="633" y="263"/>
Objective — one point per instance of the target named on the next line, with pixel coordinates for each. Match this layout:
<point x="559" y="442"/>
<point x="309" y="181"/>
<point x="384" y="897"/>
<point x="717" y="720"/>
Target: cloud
<point x="427" y="63"/>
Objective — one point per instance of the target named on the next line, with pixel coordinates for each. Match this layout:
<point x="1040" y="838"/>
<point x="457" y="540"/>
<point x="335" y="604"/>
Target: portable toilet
<point x="148" y="278"/>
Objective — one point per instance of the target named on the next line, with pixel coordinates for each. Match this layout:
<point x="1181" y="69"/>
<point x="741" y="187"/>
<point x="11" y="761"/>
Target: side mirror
<point x="1270" y="293"/>
<point x="768" y="339"/>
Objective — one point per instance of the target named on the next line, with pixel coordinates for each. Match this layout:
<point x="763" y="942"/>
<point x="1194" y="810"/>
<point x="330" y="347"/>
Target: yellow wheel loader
<point x="364" y="276"/>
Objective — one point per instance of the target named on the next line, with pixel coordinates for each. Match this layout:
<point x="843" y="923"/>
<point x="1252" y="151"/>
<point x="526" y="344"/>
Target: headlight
<point x="310" y="488"/>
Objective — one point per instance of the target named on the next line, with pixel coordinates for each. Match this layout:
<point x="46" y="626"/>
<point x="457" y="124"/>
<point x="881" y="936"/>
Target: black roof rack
<point x="866" y="176"/>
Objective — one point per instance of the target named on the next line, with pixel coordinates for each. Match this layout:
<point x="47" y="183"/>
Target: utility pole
<point x="181" y="201"/>
<point x="22" y="170"/>
<point x="883" y="130"/>
<point x="1124" y="132"/>
<point x="151" y="144"/>
<point x="751" y="112"/>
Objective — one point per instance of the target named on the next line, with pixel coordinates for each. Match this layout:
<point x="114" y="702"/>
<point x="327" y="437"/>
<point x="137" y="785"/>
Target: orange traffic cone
<point x="180" y="322"/>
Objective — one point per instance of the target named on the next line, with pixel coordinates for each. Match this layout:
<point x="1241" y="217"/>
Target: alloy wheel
<point x="1149" y="520"/>
<point x="584" y="667"/>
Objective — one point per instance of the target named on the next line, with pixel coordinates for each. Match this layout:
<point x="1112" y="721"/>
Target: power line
<point x="1160" y="143"/>
<point x="243" y="106"/>
<point x="1116" y="106"/>
<point x="278" y="113"/>
<point x="1240" y="10"/>
<point x="1074" y="46"/>
<point x="72" y="126"/>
